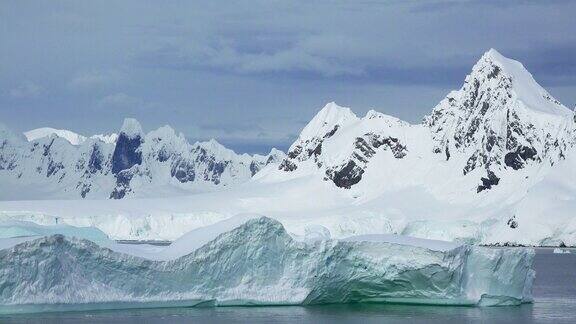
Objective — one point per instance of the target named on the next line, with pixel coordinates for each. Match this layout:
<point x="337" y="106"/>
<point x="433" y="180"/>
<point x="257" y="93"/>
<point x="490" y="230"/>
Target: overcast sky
<point x="252" y="73"/>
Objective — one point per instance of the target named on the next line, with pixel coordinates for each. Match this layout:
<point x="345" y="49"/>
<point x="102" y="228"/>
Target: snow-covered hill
<point x="62" y="164"/>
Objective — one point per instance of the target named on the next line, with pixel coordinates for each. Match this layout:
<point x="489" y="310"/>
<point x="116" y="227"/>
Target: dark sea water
<point x="554" y="293"/>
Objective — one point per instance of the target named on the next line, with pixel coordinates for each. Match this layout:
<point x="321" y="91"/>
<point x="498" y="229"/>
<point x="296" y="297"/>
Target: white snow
<point x="527" y="90"/>
<point x="106" y="138"/>
<point x="131" y="128"/>
<point x="326" y="119"/>
<point x="72" y="137"/>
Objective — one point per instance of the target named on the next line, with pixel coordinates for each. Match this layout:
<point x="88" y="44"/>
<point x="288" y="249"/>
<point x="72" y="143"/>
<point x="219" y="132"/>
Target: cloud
<point x="119" y="100"/>
<point x="233" y="59"/>
<point x="122" y="100"/>
<point x="27" y="89"/>
<point x="96" y="79"/>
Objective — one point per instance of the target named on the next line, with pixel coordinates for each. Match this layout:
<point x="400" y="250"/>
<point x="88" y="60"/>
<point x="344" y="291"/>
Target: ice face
<point x="258" y="263"/>
<point x="22" y="229"/>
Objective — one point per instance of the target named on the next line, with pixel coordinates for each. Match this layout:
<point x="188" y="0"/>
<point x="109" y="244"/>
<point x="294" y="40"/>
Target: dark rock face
<point x="518" y="158"/>
<point x="332" y="132"/>
<point x="366" y="146"/>
<point x="512" y="222"/>
<point x="127" y="153"/>
<point x="96" y="161"/>
<point x="122" y="184"/>
<point x="287" y="165"/>
<point x="84" y="189"/>
<point x="489" y="182"/>
<point x="254" y="168"/>
<point x="214" y="168"/>
<point x="347" y="176"/>
<point x="313" y="150"/>
<point x="183" y="171"/>
<point x="295" y="152"/>
<point x="53" y="168"/>
<point x="7" y="161"/>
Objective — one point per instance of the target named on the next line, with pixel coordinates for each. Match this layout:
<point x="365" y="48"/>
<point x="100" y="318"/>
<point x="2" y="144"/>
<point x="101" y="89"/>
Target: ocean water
<point x="554" y="293"/>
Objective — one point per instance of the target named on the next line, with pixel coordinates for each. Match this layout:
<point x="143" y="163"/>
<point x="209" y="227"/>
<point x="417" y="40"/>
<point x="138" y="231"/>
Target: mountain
<point x="500" y="122"/>
<point x="73" y="138"/>
<point x="491" y="164"/>
<point x="62" y="164"/>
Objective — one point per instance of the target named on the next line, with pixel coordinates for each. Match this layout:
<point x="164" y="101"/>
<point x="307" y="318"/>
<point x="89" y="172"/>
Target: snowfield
<point x="252" y="260"/>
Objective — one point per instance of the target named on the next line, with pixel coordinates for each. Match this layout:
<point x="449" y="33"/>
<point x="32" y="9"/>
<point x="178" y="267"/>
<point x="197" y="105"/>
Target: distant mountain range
<point x="500" y="127"/>
<point x="55" y="163"/>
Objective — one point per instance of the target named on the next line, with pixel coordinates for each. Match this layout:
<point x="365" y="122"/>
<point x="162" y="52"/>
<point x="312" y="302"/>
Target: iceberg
<point x="26" y="229"/>
<point x="256" y="262"/>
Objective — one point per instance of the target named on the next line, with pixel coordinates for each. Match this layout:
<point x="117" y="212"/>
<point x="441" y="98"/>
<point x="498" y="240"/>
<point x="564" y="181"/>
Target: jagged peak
<point x="275" y="151"/>
<point x="327" y="118"/>
<point x="214" y="147"/>
<point x="524" y="87"/>
<point x="373" y="114"/>
<point x="274" y="155"/>
<point x="493" y="55"/>
<point x="164" y="132"/>
<point x="131" y="128"/>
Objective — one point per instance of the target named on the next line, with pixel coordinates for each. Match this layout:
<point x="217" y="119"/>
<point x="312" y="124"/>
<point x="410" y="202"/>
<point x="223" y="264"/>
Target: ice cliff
<point x="259" y="263"/>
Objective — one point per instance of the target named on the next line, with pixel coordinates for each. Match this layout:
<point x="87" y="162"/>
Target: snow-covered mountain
<point x="62" y="164"/>
<point x="492" y="164"/>
<point x="500" y="122"/>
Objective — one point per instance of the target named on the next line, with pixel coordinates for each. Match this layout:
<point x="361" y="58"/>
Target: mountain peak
<point x="493" y="55"/>
<point x="500" y="118"/>
<point x="497" y="69"/>
<point x="131" y="128"/>
<point x="330" y="116"/>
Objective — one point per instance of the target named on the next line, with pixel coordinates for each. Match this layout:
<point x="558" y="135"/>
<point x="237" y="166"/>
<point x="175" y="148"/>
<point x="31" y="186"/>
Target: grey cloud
<point x="96" y="79"/>
<point x="27" y="89"/>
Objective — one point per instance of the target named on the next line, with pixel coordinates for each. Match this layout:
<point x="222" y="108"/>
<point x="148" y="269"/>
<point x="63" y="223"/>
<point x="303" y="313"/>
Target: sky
<point x="251" y="74"/>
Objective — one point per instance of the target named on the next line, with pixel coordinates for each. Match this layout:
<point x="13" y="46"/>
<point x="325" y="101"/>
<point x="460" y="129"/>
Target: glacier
<point x="253" y="260"/>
